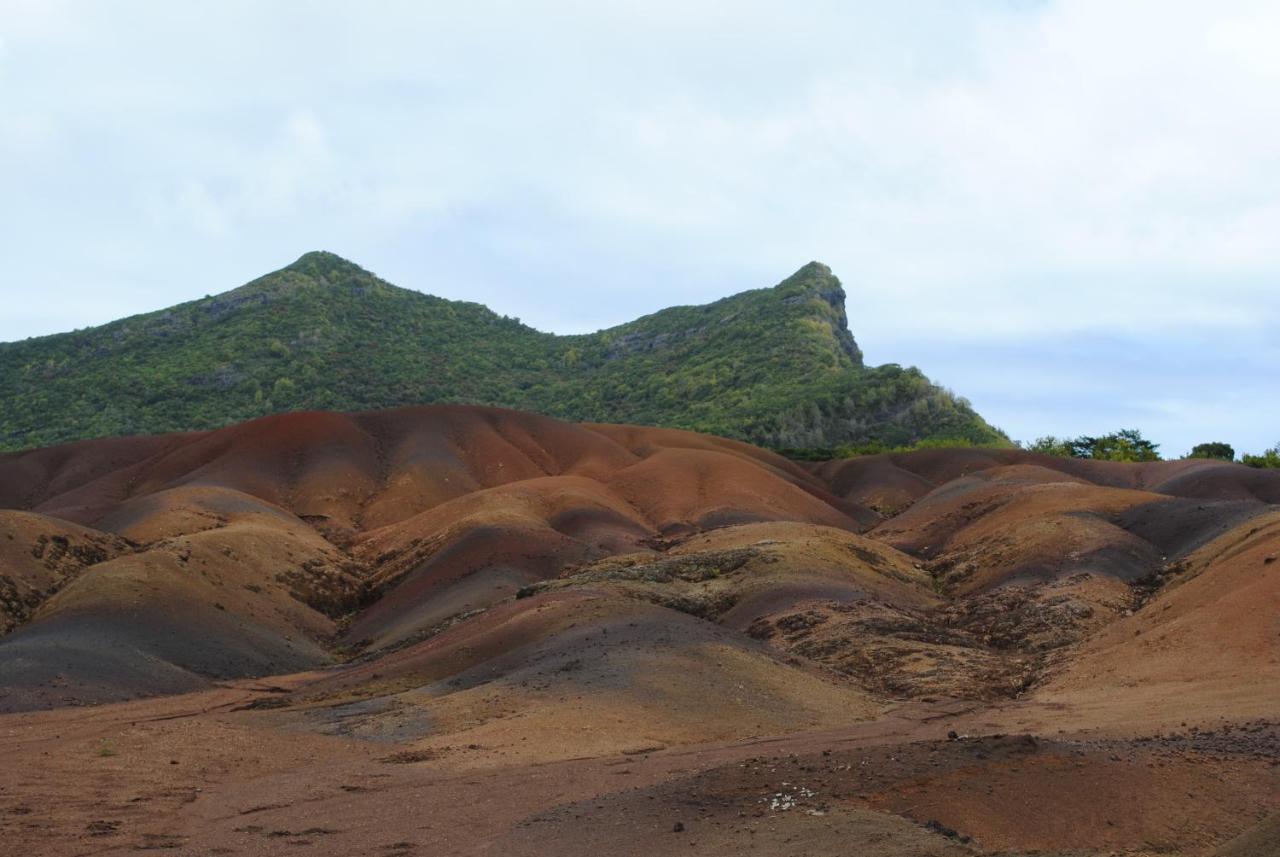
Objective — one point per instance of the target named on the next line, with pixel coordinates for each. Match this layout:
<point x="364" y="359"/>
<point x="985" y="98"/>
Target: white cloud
<point x="194" y="203"/>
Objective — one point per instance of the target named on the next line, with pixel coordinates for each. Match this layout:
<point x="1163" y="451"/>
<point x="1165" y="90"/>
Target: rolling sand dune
<point x="463" y="630"/>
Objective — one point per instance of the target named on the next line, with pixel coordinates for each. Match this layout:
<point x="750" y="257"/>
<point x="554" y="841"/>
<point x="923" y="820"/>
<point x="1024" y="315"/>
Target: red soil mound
<point x="253" y="596"/>
<point x="894" y="480"/>
<point x="39" y="555"/>
<point x="1009" y="525"/>
<point x="582" y="672"/>
<point x="1207" y="643"/>
<point x="616" y="639"/>
<point x="431" y="513"/>
<point x="407" y="524"/>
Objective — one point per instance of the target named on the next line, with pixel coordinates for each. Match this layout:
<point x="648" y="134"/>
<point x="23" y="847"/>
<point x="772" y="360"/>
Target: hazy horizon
<point x="1064" y="212"/>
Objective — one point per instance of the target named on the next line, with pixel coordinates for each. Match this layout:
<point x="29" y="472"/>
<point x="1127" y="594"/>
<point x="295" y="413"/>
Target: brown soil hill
<point x="613" y="639"/>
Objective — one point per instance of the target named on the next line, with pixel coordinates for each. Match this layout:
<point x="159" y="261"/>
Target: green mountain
<point x="775" y="366"/>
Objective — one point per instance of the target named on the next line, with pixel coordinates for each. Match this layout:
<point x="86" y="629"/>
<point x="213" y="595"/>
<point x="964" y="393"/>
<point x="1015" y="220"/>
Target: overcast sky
<point x="1068" y="212"/>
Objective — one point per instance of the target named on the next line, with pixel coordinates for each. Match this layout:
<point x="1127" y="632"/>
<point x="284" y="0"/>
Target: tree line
<point x="1122" y="445"/>
<point x="1130" y="445"/>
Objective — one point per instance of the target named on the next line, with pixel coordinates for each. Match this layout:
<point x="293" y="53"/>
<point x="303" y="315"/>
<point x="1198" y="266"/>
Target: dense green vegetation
<point x="776" y="366"/>
<point x="1269" y="458"/>
<point x="1130" y="445"/>
<point x="1217" y="450"/>
<point x="875" y="447"/>
<point x="1122" y="445"/>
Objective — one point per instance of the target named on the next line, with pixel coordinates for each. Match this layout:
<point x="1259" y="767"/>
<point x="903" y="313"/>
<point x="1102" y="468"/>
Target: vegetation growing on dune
<point x="1269" y="458"/>
<point x="1217" y="450"/>
<point x="1122" y="445"/>
<point x="1130" y="445"/>
<point x="775" y="366"/>
<point x="832" y="453"/>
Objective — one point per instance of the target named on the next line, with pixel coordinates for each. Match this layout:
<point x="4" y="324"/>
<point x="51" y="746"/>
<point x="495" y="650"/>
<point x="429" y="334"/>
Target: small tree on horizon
<point x="1122" y="445"/>
<point x="1216" y="449"/>
<point x="1050" y="445"/>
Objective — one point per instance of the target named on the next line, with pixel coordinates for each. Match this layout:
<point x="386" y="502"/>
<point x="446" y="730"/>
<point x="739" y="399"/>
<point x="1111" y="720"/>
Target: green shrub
<point x="1050" y="445"/>
<point x="1122" y="445"/>
<point x="876" y="448"/>
<point x="1217" y="450"/>
<point x="1268" y="459"/>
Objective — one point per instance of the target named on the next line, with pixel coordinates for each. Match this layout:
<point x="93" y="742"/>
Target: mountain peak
<point x="814" y="281"/>
<point x="813" y="269"/>
<point x="322" y="263"/>
<point x="771" y="365"/>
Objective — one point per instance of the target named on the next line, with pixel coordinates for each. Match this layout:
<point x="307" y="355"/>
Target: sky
<point x="1067" y="212"/>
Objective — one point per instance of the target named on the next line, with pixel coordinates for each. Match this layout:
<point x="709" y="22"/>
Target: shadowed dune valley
<point x="468" y="630"/>
<point x="684" y="428"/>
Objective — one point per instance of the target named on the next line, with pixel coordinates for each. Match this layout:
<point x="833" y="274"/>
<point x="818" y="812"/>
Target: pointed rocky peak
<point x="316" y="269"/>
<point x="813" y="280"/>
<point x="815" y="283"/>
<point x="318" y="272"/>
<point x="813" y="270"/>
<point x="323" y="265"/>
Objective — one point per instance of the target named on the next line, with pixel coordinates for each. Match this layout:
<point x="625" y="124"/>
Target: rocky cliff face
<point x="821" y="285"/>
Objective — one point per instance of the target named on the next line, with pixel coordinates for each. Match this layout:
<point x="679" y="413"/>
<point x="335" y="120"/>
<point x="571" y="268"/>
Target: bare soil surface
<point x="462" y="630"/>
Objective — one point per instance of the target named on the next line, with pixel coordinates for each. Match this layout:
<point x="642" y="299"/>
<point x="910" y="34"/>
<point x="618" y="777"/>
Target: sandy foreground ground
<point x="198" y="774"/>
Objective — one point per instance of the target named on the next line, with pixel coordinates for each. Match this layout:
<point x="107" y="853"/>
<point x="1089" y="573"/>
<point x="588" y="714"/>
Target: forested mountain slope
<point x="776" y="366"/>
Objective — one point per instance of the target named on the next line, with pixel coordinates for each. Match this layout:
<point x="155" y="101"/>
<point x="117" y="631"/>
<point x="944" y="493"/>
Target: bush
<point x="831" y="453"/>
<point x="1122" y="445"/>
<point x="1050" y="445"/>
<point x="1218" y="450"/>
<point x="1269" y="459"/>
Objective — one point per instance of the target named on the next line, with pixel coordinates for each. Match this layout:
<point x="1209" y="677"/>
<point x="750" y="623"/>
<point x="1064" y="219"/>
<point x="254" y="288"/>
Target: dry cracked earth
<point x="464" y="631"/>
